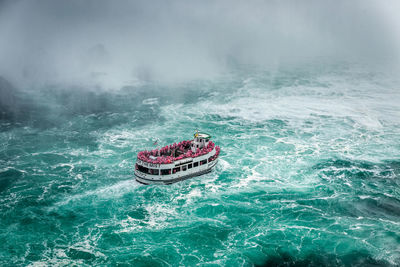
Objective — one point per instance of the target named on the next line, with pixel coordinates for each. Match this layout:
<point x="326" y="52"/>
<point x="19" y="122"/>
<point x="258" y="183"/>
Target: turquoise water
<point x="309" y="173"/>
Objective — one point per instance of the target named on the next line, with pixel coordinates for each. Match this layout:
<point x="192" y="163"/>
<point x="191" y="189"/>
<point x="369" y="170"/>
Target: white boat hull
<point x="173" y="178"/>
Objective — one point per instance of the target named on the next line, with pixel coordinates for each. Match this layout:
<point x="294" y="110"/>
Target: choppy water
<point x="309" y="174"/>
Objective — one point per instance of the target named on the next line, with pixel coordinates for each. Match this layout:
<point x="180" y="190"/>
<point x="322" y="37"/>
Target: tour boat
<point x="177" y="162"/>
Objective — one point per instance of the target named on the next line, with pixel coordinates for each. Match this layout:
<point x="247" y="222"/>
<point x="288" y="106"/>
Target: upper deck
<point x="200" y="145"/>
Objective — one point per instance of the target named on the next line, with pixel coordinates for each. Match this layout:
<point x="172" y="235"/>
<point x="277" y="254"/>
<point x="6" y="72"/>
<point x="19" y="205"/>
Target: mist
<point x="104" y="44"/>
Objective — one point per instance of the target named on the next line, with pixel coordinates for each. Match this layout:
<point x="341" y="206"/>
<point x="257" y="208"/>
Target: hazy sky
<point x="116" y="43"/>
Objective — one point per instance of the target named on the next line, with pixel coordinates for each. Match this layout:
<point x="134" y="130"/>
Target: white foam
<point x="158" y="216"/>
<point x="189" y="197"/>
<point x="107" y="192"/>
<point x="150" y="101"/>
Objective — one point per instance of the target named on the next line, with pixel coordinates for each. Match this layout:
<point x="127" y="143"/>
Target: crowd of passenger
<point x="167" y="154"/>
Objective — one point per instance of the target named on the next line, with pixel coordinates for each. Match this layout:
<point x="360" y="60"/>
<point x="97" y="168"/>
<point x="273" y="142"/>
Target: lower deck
<point x="175" y="177"/>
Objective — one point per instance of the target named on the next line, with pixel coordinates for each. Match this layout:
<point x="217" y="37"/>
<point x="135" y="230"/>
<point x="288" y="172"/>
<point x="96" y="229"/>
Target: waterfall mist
<point x="114" y="44"/>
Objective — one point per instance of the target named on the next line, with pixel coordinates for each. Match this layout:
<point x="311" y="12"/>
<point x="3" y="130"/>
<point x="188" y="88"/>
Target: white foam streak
<point x="107" y="192"/>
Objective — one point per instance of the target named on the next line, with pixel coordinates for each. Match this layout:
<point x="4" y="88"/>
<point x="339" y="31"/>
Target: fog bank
<point x="110" y="44"/>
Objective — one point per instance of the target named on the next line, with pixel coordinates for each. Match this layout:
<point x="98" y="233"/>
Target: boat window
<point x="196" y="164"/>
<point x="143" y="169"/>
<point x="184" y="167"/>
<point x="204" y="161"/>
<point x="177" y="169"/>
<point x="190" y="166"/>
<point x="209" y="159"/>
<point x="165" y="171"/>
<point x="154" y="171"/>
